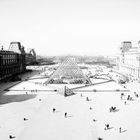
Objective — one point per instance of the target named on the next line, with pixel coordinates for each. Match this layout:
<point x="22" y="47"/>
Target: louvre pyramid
<point x="67" y="91"/>
<point x="68" y="72"/>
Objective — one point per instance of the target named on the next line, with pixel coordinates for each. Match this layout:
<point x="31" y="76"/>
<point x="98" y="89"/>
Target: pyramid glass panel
<point x="68" y="73"/>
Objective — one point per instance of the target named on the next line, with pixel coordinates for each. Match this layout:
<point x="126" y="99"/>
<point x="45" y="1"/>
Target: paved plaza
<point x="27" y="111"/>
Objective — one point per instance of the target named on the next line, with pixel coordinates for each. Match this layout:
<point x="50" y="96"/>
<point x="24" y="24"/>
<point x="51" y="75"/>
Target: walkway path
<point x="54" y="126"/>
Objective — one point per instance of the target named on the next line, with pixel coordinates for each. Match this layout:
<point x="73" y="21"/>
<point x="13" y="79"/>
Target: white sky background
<point x="57" y="27"/>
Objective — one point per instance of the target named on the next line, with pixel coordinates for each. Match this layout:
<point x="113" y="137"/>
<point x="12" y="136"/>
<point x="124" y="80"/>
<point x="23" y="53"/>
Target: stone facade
<point x="12" y="62"/>
<point x="129" y="60"/>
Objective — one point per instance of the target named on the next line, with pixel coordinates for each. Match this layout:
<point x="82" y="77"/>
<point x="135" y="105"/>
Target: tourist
<point x="11" y="137"/>
<point x="94" y="120"/>
<point x="122" y="94"/>
<point x="110" y="109"/>
<point x="128" y="97"/>
<point x="125" y="102"/>
<point x="65" y="114"/>
<point x="87" y="99"/>
<point x="53" y="109"/>
<point x="106" y="126"/>
<point x="137" y="95"/>
<point x="90" y="108"/>
<point x="25" y="119"/>
<point x="120" y="129"/>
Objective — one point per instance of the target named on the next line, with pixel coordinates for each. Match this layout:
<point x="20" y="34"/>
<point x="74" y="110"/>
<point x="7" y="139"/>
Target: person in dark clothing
<point x="25" y="119"/>
<point x="90" y="108"/>
<point x="65" y="114"/>
<point x="11" y="137"/>
<point x="94" y="120"/>
<point x="106" y="126"/>
<point x="120" y="129"/>
<point x="128" y="97"/>
<point x="122" y="94"/>
<point x="53" y="109"/>
<point x="87" y="99"/>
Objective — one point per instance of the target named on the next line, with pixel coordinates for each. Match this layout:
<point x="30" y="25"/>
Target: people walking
<point x="53" y="109"/>
<point x="125" y="102"/>
<point x="90" y="108"/>
<point x="94" y="120"/>
<point x="65" y="114"/>
<point x="128" y="97"/>
<point x="11" y="137"/>
<point x="25" y="119"/>
<point x="120" y="129"/>
<point x="136" y="95"/>
<point x="106" y="126"/>
<point x="122" y="94"/>
<point x="87" y="99"/>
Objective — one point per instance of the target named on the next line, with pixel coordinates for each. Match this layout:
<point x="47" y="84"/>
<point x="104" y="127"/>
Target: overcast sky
<point x="83" y="27"/>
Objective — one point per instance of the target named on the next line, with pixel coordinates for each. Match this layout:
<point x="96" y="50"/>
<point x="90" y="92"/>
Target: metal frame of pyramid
<point x="68" y="92"/>
<point x="69" y="70"/>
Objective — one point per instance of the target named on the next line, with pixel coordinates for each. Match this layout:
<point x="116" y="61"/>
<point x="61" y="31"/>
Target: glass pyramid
<point x="68" y="73"/>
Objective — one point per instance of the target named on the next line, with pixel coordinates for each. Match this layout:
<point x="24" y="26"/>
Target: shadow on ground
<point x="5" y="99"/>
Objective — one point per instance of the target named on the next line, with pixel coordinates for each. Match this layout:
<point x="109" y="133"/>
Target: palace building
<point x="12" y="61"/>
<point x="129" y="60"/>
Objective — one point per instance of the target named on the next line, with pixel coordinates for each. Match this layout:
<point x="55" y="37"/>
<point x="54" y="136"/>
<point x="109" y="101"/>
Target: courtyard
<point x="27" y="111"/>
